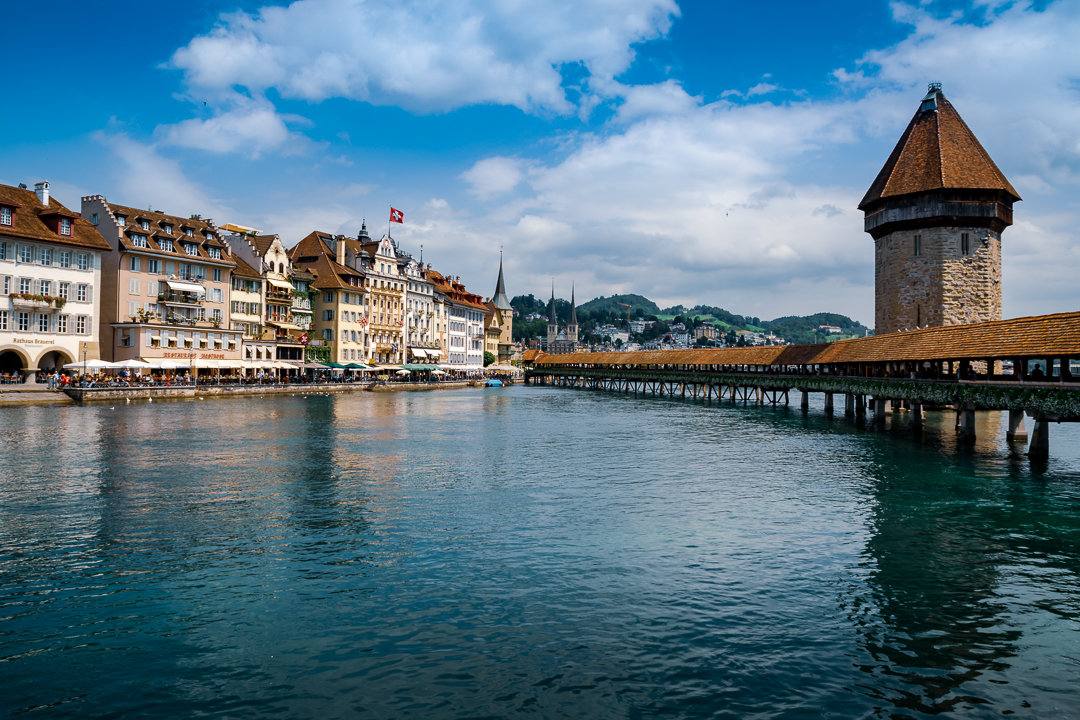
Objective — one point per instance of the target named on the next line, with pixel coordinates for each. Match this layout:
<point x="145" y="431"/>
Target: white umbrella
<point x="88" y="365"/>
<point x="130" y="364"/>
<point x="437" y="372"/>
<point x="403" y="372"/>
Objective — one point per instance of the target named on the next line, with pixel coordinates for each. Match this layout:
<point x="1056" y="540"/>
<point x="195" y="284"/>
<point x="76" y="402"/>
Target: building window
<point x="24" y="322"/>
<point x="215" y="253"/>
<point x="134" y="264"/>
<point x="62" y="324"/>
<point x="3" y="251"/>
<point x="217" y="272"/>
<point x="133" y="286"/>
<point x="121" y="220"/>
<point x="65" y="290"/>
<point x="65" y="226"/>
<point x="94" y="218"/>
<point x="153" y="267"/>
<point x="191" y="249"/>
<point x="3" y="319"/>
<point x="24" y="285"/>
<point x="80" y="325"/>
<point x="145" y="225"/>
<point x="6" y="216"/>
<point x="26" y="254"/>
<point x="80" y="293"/>
<point x="139" y="241"/>
<point x="45" y="256"/>
<point x="965" y="244"/>
<point x="43" y="323"/>
<point x="83" y="262"/>
<point x="166" y="245"/>
<point x="46" y="287"/>
<point x="918" y="245"/>
<point x="63" y="259"/>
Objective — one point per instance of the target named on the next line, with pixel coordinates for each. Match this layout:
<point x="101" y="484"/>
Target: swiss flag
<point x="397" y="216"/>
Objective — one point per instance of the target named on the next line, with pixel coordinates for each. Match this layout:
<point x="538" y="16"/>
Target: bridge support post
<point x="829" y="402"/>
<point x="1040" y="439"/>
<point x="880" y="409"/>
<point x="916" y="415"/>
<point x="860" y="405"/>
<point x="1017" y="431"/>
<point x="805" y="400"/>
<point x="849" y="405"/>
<point x="965" y="420"/>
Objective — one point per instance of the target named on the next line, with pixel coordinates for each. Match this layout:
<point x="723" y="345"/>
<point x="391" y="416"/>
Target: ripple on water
<point x="528" y="551"/>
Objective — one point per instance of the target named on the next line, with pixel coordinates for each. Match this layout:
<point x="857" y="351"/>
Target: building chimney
<point x="340" y="249"/>
<point x="41" y="189"/>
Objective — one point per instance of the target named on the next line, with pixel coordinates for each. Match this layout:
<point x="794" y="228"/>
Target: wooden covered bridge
<point x="1027" y="366"/>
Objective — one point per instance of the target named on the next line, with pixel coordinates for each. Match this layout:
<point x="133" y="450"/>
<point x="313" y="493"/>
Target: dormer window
<point x="189" y="232"/>
<point x="65" y="226"/>
<point x="121" y="220"/>
<point x="191" y="249"/>
<point x="215" y="253"/>
<point x="7" y="217"/>
<point x="168" y="228"/>
<point x="166" y="245"/>
<point x="145" y="225"/>
<point x="139" y="241"/>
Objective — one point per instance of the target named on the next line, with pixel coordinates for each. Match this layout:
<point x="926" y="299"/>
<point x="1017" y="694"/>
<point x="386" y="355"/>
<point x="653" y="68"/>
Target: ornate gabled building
<point x="51" y="263"/>
<point x="936" y="212"/>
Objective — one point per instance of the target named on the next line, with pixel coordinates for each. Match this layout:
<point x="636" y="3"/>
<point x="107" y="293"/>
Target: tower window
<point x="918" y="245"/>
<point x="965" y="244"/>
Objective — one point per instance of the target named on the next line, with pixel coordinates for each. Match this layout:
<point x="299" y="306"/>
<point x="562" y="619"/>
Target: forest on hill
<point x="612" y="310"/>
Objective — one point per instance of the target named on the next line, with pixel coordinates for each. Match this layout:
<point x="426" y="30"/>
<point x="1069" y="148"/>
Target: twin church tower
<point x="936" y="212"/>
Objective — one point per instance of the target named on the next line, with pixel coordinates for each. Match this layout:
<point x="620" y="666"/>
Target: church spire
<point x="571" y="325"/>
<point x="500" y="289"/>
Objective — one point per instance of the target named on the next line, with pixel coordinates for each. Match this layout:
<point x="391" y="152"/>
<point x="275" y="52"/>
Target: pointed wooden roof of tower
<point x="937" y="151"/>
<point x="573" y="310"/>
<point x="500" y="300"/>
<point x="552" y="318"/>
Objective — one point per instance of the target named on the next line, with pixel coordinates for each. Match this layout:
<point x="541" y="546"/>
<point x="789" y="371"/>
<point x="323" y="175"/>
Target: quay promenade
<point x="1027" y="366"/>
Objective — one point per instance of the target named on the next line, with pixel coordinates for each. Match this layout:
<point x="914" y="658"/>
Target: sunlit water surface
<point x="530" y="552"/>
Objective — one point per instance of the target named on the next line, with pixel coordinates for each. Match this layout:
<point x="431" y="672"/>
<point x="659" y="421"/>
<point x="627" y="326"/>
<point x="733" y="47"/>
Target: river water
<point x="530" y="552"/>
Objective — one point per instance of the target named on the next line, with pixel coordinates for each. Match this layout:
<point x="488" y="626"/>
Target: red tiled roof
<point x="1029" y="337"/>
<point x="937" y="151"/>
<point x="29" y="223"/>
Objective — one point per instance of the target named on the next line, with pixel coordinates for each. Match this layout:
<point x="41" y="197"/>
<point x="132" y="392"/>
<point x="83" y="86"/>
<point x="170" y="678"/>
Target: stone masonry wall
<point x="939" y="287"/>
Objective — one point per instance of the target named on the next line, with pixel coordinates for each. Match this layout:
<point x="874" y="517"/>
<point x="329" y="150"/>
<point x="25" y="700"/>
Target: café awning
<point x="283" y="325"/>
<point x="280" y="284"/>
<point x="185" y="287"/>
<point x="417" y="352"/>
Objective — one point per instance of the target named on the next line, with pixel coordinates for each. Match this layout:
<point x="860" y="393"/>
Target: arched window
<point x="281" y="268"/>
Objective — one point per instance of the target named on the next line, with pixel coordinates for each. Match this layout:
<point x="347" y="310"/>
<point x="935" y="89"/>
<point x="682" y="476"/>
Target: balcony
<point x="182" y="299"/>
<point x="279" y="297"/>
<point x="36" y="303"/>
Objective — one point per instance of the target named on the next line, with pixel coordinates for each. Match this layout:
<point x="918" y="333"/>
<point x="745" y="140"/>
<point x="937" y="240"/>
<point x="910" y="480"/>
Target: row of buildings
<point x="116" y="283"/>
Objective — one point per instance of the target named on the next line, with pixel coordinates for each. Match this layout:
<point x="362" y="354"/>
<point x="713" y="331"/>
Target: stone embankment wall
<point x="177" y="392"/>
<point x="941" y="286"/>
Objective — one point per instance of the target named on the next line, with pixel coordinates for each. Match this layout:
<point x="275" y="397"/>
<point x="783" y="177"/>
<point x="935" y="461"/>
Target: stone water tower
<point x="936" y="212"/>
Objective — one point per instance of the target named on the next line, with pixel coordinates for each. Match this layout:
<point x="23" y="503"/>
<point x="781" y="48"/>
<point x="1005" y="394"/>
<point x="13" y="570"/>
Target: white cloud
<point x="422" y="56"/>
<point x="666" y="98"/>
<point x="251" y="127"/>
<point x="493" y="176"/>
<point x="145" y="178"/>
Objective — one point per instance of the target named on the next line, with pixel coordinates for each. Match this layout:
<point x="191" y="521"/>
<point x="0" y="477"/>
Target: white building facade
<point x="50" y="274"/>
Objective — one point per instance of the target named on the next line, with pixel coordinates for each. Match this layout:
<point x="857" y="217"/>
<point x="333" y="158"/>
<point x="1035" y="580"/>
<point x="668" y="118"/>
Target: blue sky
<point x="689" y="151"/>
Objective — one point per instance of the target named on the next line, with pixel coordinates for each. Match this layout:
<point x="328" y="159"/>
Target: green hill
<point x="611" y="305"/>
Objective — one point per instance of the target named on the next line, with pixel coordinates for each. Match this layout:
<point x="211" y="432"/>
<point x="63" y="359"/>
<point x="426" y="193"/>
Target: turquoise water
<point x="530" y="552"/>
